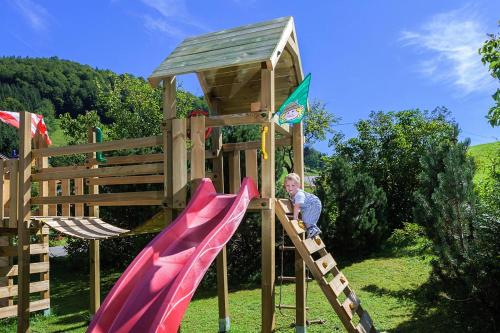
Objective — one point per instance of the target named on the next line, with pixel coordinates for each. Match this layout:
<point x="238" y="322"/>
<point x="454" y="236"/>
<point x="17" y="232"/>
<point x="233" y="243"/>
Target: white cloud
<point x="174" y="18"/>
<point x="36" y="15"/>
<point x="450" y="43"/>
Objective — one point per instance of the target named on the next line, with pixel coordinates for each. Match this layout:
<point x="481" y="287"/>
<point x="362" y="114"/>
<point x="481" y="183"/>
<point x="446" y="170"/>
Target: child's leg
<point x="311" y="215"/>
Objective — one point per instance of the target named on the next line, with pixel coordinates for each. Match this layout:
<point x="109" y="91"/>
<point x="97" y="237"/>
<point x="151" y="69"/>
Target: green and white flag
<point x="294" y="107"/>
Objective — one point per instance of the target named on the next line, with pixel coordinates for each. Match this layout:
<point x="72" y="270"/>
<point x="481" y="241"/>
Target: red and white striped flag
<point x="37" y="123"/>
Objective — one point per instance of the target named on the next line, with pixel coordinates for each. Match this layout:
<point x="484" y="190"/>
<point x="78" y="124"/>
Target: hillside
<point x="484" y="155"/>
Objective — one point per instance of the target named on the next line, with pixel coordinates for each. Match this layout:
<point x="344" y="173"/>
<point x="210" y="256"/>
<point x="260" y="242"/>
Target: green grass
<point x="57" y="136"/>
<point x="394" y="289"/>
<point x="484" y="155"/>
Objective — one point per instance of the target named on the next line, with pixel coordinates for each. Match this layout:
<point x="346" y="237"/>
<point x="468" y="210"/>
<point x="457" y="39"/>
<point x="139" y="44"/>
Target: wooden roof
<point x="228" y="63"/>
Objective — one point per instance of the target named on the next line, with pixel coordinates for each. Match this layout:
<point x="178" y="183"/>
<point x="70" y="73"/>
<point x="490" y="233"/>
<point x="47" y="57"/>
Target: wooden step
<point x="365" y="324"/>
<point x="298" y="229"/>
<point x="338" y="284"/>
<point x="325" y="263"/>
<point x="351" y="304"/>
<point x="287" y="206"/>
<point x="314" y="244"/>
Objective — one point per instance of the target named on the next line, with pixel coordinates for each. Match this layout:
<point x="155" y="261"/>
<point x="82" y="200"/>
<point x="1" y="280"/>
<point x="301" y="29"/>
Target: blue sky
<point x="364" y="55"/>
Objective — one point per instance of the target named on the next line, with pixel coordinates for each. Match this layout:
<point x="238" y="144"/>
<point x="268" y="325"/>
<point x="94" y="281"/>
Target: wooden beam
<point x="23" y="221"/>
<point x="268" y="218"/>
<point x="126" y="170"/>
<point x="197" y="151"/>
<point x="43" y="210"/>
<point x="251" y="168"/>
<point x="79" y="211"/>
<point x="206" y="90"/>
<point x="4" y="190"/>
<point x="234" y="171"/>
<point x="179" y="169"/>
<point x="52" y="192"/>
<point x="13" y="166"/>
<point x="248" y="118"/>
<point x="227" y="147"/>
<point x="300" y="270"/>
<point x="65" y="191"/>
<point x="169" y="112"/>
<point x="104" y="146"/>
<point x="94" y="251"/>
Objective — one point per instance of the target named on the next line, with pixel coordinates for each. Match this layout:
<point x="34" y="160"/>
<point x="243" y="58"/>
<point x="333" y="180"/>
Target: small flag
<point x="37" y="123"/>
<point x="294" y="107"/>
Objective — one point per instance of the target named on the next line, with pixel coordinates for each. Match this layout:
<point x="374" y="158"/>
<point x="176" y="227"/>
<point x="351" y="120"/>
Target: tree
<point x="318" y="123"/>
<point x="465" y="233"/>
<point x="490" y="54"/>
<point x="388" y="149"/>
<point x="353" y="218"/>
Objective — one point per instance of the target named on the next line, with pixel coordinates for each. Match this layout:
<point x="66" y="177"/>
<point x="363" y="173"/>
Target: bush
<point x="409" y="240"/>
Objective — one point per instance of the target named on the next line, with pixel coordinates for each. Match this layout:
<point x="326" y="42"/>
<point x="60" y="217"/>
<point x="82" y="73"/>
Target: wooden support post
<point x="4" y="240"/>
<point x="13" y="166"/>
<point x="65" y="191"/>
<point x="169" y="112"/>
<point x="234" y="171"/>
<point x="268" y="215"/>
<point x="43" y="210"/>
<point x="197" y="151"/>
<point x="251" y="168"/>
<point x="52" y="193"/>
<point x="23" y="221"/>
<point x="300" y="270"/>
<point x="4" y="190"/>
<point x="179" y="149"/>
<point x="94" y="254"/>
<point x="221" y="261"/>
<point x="79" y="191"/>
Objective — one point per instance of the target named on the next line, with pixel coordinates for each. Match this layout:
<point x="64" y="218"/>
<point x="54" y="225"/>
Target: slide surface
<point x="154" y="292"/>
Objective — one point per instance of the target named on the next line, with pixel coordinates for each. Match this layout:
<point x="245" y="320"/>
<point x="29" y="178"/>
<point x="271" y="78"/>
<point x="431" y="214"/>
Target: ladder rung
<point x="314" y="244"/>
<point x="296" y="226"/>
<point x="351" y="304"/>
<point x="338" y="284"/>
<point x="285" y="306"/>
<point x="325" y="264"/>
<point x="291" y="278"/>
<point x="287" y="206"/>
<point x="365" y="324"/>
<point x="286" y="248"/>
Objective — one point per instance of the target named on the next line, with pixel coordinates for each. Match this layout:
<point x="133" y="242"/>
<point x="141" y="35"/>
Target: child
<point x="306" y="203"/>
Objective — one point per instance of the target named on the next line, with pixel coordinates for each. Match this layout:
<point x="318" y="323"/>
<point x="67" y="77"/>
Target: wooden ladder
<point x="325" y="271"/>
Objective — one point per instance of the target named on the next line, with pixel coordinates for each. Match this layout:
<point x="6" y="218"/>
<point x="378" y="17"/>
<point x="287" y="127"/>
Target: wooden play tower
<point x="244" y="73"/>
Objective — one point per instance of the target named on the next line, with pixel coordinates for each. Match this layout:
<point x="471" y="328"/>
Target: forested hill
<point x="32" y="84"/>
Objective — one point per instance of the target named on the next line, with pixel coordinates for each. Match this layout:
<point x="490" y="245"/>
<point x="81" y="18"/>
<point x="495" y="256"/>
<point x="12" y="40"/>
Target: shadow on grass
<point x="435" y="313"/>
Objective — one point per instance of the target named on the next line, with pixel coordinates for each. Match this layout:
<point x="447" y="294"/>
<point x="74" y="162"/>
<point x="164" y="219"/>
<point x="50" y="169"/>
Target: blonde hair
<point x="293" y="177"/>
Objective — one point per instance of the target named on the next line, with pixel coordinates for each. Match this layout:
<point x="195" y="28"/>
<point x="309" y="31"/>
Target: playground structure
<point x="244" y="73"/>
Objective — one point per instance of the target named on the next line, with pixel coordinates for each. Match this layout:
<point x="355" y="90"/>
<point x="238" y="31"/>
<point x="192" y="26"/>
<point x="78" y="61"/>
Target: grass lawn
<point x="484" y="155"/>
<point x="393" y="289"/>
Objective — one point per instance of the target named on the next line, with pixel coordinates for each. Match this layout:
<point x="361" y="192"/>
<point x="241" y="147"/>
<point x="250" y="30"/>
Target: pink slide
<point x="154" y="292"/>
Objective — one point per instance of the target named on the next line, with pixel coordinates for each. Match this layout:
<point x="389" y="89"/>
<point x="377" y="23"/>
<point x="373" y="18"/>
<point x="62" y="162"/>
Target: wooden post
<point x="197" y="151"/>
<point x="23" y="221"/>
<point x="300" y="270"/>
<point x="4" y="240"/>
<point x="179" y="169"/>
<point x="94" y="254"/>
<point x="234" y="171"/>
<point x="52" y="193"/>
<point x="251" y="168"/>
<point x="65" y="191"/>
<point x="268" y="215"/>
<point x="43" y="210"/>
<point x="79" y="191"/>
<point x="13" y="166"/>
<point x="169" y="112"/>
<point x="221" y="261"/>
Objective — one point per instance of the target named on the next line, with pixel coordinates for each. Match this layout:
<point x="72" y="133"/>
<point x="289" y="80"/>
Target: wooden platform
<point x="81" y="227"/>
